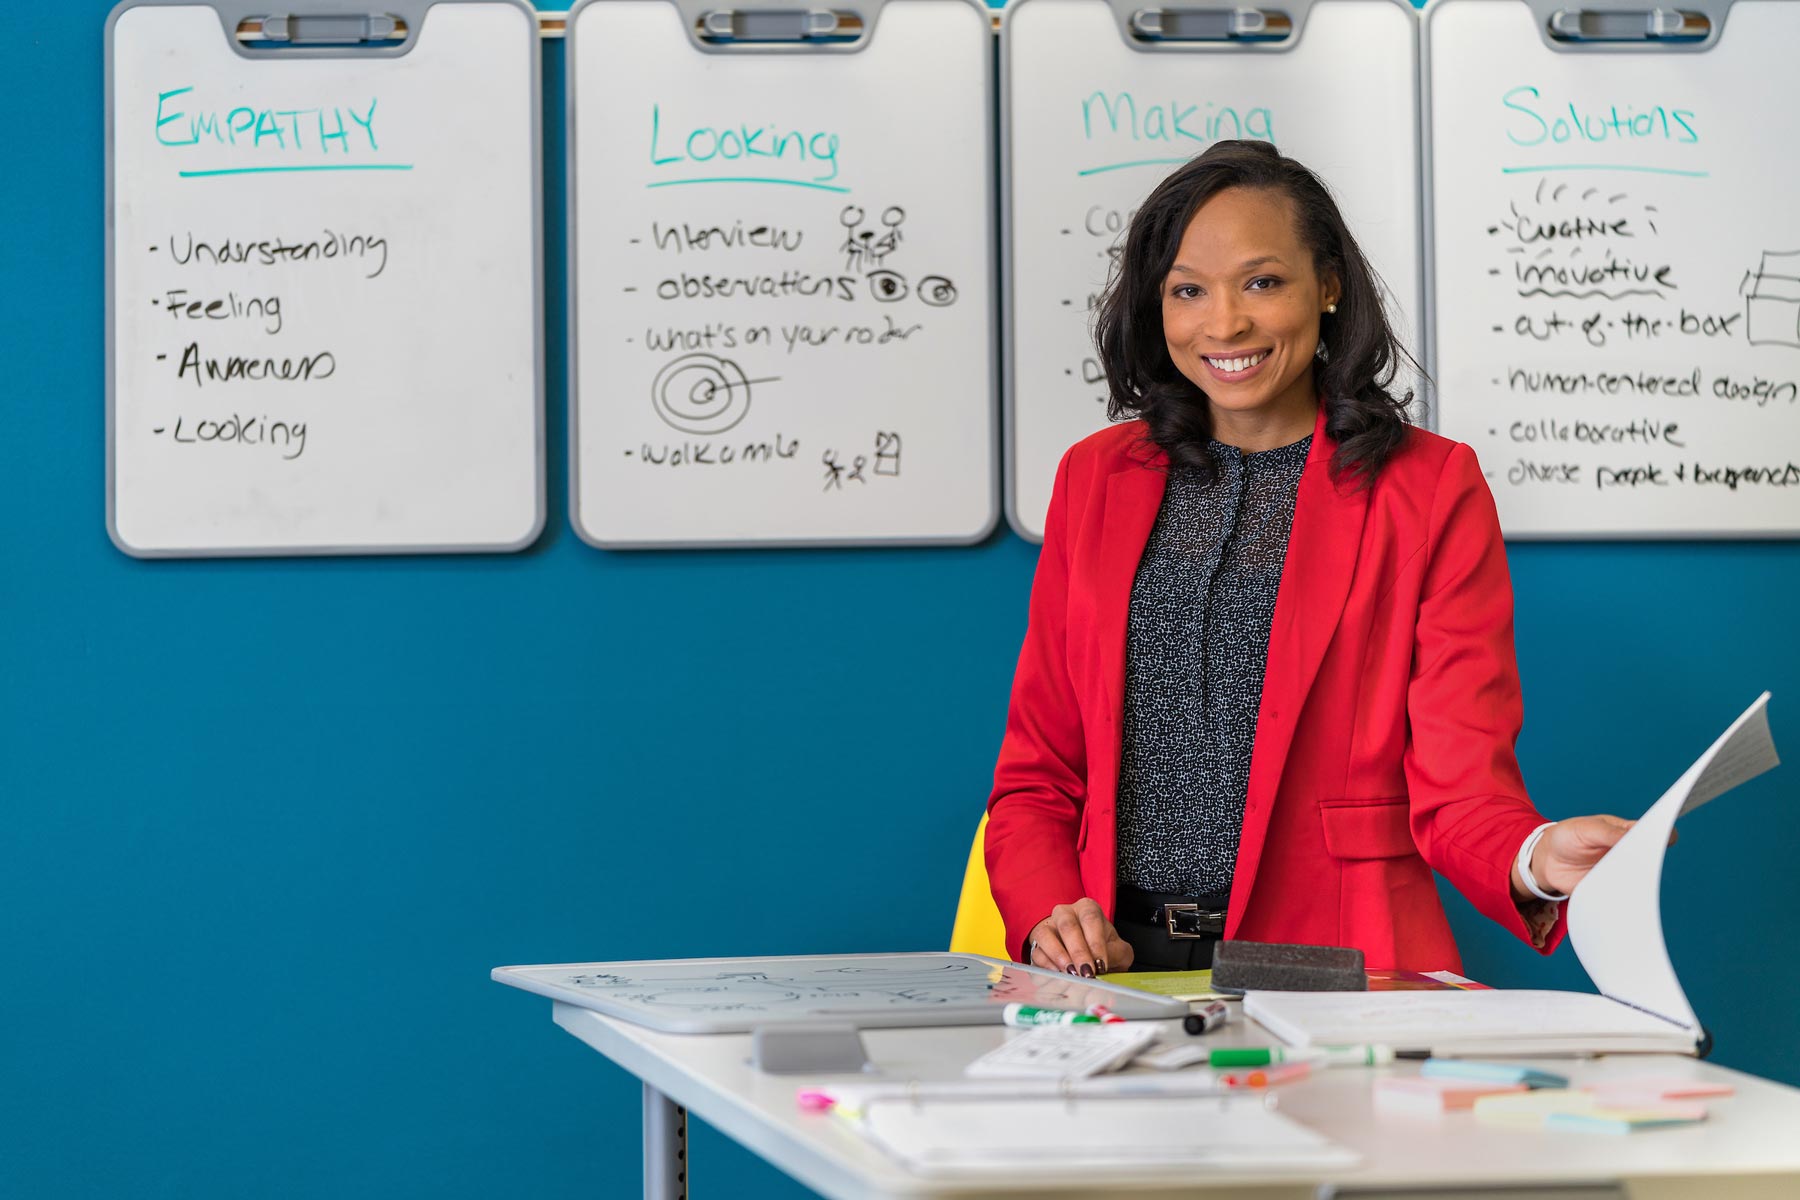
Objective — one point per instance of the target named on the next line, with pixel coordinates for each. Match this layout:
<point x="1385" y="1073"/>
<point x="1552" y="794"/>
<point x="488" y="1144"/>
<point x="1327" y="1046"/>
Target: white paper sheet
<point x="1502" y="1021"/>
<point x="1615" y="915"/>
<point x="1056" y="1136"/>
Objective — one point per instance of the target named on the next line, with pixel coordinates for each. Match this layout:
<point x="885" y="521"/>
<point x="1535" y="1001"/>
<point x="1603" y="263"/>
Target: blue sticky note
<point x="1488" y="1072"/>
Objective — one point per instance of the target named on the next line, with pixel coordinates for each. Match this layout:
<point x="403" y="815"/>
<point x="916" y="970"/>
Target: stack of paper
<point x="1615" y="925"/>
<point x="1497" y="1021"/>
<point x="1053" y="1136"/>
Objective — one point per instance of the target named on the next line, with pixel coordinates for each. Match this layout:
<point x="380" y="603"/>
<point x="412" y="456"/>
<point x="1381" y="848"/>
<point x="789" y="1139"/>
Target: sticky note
<point x="1650" y="1091"/>
<point x="1625" y="1120"/>
<point x="1528" y="1110"/>
<point x="1457" y="1068"/>
<point x="1429" y="1097"/>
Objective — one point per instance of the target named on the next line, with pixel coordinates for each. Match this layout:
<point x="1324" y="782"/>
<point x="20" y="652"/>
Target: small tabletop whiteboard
<point x="323" y="308"/>
<point x="734" y="995"/>
<point x="1616" y="270"/>
<point x="783" y="321"/>
<point x="1093" y="121"/>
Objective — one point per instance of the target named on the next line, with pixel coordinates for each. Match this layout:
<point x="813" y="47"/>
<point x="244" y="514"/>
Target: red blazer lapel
<point x="1315" y="582"/>
<point x="1134" y="495"/>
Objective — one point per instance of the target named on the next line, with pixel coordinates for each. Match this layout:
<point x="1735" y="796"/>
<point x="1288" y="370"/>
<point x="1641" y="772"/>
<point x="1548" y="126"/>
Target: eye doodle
<point x="937" y="291"/>
<point x="887" y="286"/>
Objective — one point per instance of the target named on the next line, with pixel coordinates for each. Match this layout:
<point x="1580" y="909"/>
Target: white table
<point x="1748" y="1149"/>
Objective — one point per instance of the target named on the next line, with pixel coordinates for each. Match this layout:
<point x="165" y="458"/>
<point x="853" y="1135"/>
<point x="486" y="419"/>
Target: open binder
<point x="1615" y="925"/>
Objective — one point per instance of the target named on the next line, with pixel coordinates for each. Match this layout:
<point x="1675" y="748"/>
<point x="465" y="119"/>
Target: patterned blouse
<point x="1196" y="645"/>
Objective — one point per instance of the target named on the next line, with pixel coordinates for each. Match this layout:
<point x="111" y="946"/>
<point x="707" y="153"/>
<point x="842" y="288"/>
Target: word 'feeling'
<point x="1532" y="128"/>
<point x="737" y="142"/>
<point x="285" y="128"/>
<point x="1174" y="121"/>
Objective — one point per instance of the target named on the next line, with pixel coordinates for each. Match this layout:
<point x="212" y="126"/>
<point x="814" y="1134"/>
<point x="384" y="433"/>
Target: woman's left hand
<point x="1568" y="851"/>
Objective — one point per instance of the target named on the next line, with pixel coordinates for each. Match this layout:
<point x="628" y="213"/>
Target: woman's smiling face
<point x="1241" y="308"/>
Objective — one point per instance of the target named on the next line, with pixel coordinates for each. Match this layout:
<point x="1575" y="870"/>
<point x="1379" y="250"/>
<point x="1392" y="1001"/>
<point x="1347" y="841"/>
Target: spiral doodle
<point x="887" y="286"/>
<point x="701" y="393"/>
<point x="937" y="291"/>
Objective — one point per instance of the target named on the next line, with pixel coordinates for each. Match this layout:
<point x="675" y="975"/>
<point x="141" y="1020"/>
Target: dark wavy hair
<point x="1359" y="355"/>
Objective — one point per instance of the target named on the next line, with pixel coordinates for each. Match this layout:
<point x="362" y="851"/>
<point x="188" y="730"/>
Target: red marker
<point x="1107" y="1016"/>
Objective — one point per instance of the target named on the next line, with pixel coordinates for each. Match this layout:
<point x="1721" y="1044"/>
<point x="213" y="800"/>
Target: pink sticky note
<point x="1655" y="1089"/>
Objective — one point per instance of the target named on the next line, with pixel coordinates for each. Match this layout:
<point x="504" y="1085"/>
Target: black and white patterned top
<point x="1196" y="645"/>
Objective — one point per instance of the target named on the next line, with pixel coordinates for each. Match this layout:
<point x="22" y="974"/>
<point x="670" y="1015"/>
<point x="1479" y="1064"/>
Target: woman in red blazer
<point x="1244" y="318"/>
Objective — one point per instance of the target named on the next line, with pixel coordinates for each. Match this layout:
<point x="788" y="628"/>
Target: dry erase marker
<point x="1025" y="1015"/>
<point x="1258" y="1056"/>
<point x="1107" y="1016"/>
<point x="1364" y="1055"/>
<point x="1262" y="1077"/>
<point x="1207" y="1019"/>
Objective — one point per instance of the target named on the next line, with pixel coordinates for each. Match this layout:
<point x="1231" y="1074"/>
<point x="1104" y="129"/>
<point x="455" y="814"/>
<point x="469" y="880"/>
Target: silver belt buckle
<point x="1184" y="920"/>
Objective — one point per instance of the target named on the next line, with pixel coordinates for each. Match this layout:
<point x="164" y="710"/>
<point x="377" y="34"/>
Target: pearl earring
<point x="1331" y="308"/>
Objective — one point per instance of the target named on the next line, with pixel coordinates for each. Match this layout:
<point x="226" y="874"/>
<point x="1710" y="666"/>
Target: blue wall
<point x="265" y="826"/>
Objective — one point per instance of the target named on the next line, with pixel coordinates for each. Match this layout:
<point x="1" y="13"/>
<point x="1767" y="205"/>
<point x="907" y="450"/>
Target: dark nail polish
<point x="1101" y="969"/>
<point x="1087" y="972"/>
<point x="1070" y="968"/>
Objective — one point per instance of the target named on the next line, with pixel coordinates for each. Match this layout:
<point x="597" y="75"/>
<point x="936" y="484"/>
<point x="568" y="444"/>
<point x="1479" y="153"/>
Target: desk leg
<point x="665" y="1147"/>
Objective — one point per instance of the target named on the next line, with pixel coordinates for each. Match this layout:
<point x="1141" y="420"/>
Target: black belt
<point x="1178" y="916"/>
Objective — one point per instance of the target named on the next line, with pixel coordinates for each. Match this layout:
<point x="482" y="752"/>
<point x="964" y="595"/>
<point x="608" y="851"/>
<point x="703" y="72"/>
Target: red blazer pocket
<point x="1367" y="828"/>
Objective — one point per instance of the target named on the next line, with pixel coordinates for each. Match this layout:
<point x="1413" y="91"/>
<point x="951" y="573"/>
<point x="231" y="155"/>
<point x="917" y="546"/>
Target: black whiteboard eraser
<point x="1283" y="967"/>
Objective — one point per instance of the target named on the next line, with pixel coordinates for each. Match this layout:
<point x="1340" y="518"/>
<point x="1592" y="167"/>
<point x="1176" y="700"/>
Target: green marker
<point x="1025" y="1014"/>
<point x="1323" y="1056"/>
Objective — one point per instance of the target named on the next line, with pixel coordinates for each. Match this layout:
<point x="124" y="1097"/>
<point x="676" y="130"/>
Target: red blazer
<point x="1389" y="710"/>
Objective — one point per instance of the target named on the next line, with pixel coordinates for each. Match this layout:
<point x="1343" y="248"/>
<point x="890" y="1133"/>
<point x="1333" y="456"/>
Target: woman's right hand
<point x="1078" y="938"/>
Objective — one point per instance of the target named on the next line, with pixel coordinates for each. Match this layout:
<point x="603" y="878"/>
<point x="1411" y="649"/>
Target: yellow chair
<point x="978" y="928"/>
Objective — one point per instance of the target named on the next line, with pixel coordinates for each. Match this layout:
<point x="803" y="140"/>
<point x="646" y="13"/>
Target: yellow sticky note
<point x="1529" y="1110"/>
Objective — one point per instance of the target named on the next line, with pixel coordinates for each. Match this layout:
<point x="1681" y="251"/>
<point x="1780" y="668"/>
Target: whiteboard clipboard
<point x="782" y="315"/>
<point x="1614" y="264"/>
<point x="323" y="280"/>
<point x="735" y="995"/>
<point x="1094" y="116"/>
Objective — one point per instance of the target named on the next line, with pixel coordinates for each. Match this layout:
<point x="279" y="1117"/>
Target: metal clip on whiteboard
<point x="799" y="25"/>
<point x="1653" y="25"/>
<point x="1210" y="25"/>
<point x="335" y="29"/>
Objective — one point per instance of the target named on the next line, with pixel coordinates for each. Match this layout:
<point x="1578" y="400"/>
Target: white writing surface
<point x="1095" y="123"/>
<point x="1616" y="281"/>
<point x="783" y="285"/>
<point x="323" y="289"/>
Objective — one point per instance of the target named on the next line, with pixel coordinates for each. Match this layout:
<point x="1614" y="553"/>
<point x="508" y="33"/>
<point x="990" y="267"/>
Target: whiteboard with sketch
<point x="734" y="995"/>
<point x="781" y="269"/>
<point x="1095" y="117"/>
<point x="1616" y="268"/>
